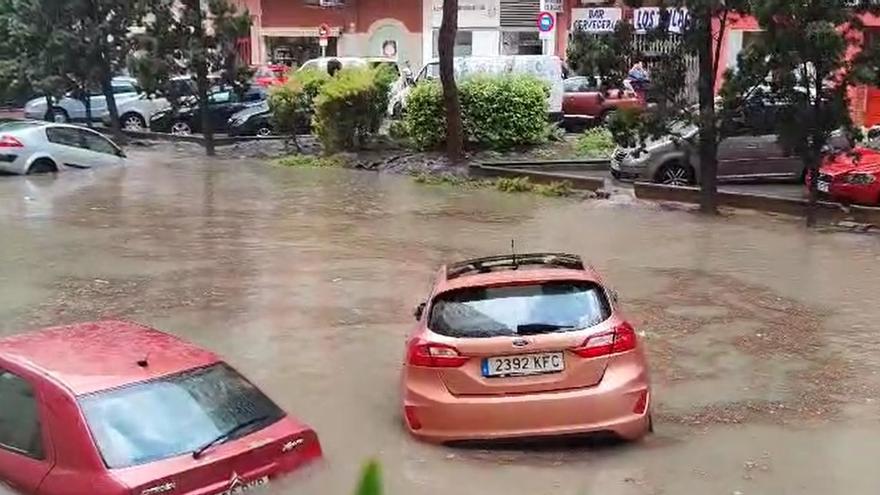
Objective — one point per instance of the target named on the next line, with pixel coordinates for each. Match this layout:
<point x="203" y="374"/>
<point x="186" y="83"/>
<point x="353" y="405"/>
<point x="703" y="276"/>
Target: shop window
<point x="521" y="43"/>
<point x="464" y="43"/>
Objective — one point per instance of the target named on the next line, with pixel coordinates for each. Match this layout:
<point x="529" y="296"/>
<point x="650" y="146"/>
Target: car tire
<point x="57" y="115"/>
<point x="675" y="174"/>
<point x="42" y="166"/>
<point x="264" y="131"/>
<point x="133" y="122"/>
<point x="181" y="128"/>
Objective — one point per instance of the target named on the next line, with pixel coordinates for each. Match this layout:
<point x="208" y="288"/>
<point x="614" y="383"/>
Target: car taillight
<point x="431" y="355"/>
<point x="641" y="403"/>
<point x="412" y="418"/>
<point x="621" y="339"/>
<point x="10" y="142"/>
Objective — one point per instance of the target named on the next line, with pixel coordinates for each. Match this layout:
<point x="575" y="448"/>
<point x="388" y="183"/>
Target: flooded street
<point x="763" y="337"/>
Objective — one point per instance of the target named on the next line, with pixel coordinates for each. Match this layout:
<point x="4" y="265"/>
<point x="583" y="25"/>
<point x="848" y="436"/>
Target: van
<point x="545" y="67"/>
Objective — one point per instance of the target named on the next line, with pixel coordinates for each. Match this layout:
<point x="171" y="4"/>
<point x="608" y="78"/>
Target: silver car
<point x="32" y="147"/>
<point x="70" y="109"/>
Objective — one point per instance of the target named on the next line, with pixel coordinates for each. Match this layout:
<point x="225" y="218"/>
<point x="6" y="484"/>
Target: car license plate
<point x="246" y="486"/>
<point x="526" y="364"/>
<point x="823" y="186"/>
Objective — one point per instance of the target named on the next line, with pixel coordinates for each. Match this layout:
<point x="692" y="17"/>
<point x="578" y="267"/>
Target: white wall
<point x="486" y="42"/>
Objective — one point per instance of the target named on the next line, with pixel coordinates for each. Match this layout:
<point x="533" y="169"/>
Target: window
<point x="174" y="415"/>
<point x="19" y="417"/>
<point x="121" y="88"/>
<point x="521" y="43"/>
<point x="98" y="143"/>
<point x="255" y="95"/>
<point x="464" y="43"/>
<point x="580" y="85"/>
<point x="519" y="310"/>
<point x="221" y="97"/>
<point x="65" y="136"/>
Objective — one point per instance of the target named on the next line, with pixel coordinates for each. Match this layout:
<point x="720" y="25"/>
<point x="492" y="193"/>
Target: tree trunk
<point x="813" y="174"/>
<point x="86" y="99"/>
<point x="708" y="146"/>
<point x="446" y="48"/>
<point x="107" y="89"/>
<point x="201" y="63"/>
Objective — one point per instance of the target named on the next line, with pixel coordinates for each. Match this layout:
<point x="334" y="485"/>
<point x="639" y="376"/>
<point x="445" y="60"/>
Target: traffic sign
<point x="546" y="22"/>
<point x="323" y="31"/>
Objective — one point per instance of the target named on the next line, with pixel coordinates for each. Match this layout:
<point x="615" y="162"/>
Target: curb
<point x="577" y="181"/>
<point x="760" y="202"/>
<point x="598" y="164"/>
<point x="197" y="139"/>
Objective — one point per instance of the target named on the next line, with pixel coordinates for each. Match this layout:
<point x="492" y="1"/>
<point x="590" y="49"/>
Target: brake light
<point x="411" y="418"/>
<point x="10" y="142"/>
<point x="641" y="403"/>
<point x="432" y="355"/>
<point x="621" y="339"/>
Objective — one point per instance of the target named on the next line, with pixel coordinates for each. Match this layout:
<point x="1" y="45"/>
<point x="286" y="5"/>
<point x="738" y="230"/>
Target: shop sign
<point x="648" y="18"/>
<point x="595" y="20"/>
<point x="471" y="13"/>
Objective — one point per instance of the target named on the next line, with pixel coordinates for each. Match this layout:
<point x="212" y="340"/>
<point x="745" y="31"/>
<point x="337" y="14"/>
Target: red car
<point x="584" y="102"/>
<point x="271" y="75"/>
<point x="851" y="177"/>
<point x="116" y="408"/>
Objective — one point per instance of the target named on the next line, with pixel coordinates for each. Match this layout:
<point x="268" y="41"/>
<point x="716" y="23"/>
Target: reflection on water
<point x="305" y="281"/>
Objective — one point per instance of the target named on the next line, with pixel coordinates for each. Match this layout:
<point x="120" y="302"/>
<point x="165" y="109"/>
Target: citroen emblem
<point x="234" y="481"/>
<point x="520" y="342"/>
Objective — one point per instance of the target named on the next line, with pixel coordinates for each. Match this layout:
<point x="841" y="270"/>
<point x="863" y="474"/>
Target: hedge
<point x="349" y="108"/>
<point x="497" y="112"/>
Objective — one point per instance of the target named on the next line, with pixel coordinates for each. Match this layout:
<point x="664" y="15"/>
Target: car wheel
<point x="42" y="166"/>
<point x="264" y="131"/>
<point x="57" y="115"/>
<point x="181" y="128"/>
<point x="133" y="122"/>
<point x="675" y="174"/>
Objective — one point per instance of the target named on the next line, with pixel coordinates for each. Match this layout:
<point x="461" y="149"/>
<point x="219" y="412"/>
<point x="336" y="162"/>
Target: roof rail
<point x="512" y="262"/>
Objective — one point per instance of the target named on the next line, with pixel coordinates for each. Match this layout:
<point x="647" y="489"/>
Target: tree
<point x="446" y="49"/>
<point x="805" y="61"/>
<point x="701" y="38"/>
<point x="183" y="37"/>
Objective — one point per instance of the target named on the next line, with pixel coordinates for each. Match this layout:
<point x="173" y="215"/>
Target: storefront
<point x="287" y="31"/>
<point x="478" y="27"/>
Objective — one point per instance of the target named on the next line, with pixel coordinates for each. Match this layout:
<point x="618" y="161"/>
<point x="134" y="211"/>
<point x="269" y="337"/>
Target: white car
<point x="32" y="147"/>
<point x="70" y="109"/>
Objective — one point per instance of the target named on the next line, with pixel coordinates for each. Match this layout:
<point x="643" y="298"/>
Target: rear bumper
<point x="607" y="407"/>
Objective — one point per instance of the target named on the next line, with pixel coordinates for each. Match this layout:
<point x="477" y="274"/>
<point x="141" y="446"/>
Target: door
<point x="221" y="106"/>
<point x="582" y="98"/>
<point x="100" y="150"/>
<point x="24" y="457"/>
<point x="99" y="105"/>
<point x="68" y="147"/>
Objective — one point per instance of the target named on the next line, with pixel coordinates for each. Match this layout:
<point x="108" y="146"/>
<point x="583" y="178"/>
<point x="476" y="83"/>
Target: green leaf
<point x="371" y="480"/>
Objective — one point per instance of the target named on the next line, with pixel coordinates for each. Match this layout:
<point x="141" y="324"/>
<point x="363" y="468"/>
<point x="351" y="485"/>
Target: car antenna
<point x="513" y="252"/>
<point x="145" y="362"/>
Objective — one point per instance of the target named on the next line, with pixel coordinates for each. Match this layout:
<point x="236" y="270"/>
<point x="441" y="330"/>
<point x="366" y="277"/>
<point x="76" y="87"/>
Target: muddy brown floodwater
<point x="763" y="336"/>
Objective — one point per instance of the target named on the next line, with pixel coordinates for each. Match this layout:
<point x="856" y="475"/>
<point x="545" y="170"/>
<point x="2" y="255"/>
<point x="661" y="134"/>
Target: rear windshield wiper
<point x="539" y="328"/>
<point x="227" y="435"/>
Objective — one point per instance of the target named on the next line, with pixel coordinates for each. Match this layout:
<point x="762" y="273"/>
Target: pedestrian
<point x="639" y="79"/>
<point x="333" y="66"/>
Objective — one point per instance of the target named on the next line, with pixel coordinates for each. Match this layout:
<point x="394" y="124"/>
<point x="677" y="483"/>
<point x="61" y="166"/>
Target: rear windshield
<point x="175" y="415"/>
<point x="519" y="310"/>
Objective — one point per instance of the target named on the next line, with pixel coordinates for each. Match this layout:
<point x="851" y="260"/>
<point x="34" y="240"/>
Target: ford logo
<point x="520" y="343"/>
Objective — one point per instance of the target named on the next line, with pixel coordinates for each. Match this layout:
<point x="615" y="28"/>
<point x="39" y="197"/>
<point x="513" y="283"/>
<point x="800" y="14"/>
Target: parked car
<point x="852" y="177"/>
<point x="520" y="346"/>
<point x="255" y="120"/>
<point x="546" y="68"/>
<point x="749" y="150"/>
<point x="221" y="106"/>
<point x="116" y="408"/>
<point x="70" y="109"/>
<point x="270" y="75"/>
<point x="34" y="147"/>
<point x="585" y="102"/>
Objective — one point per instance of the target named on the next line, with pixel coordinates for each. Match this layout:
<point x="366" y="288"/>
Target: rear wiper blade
<point x="227" y="434"/>
<point x="538" y="328"/>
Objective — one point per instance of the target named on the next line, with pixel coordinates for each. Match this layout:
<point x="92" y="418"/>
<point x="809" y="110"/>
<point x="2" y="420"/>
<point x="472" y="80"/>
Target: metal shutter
<point x="519" y="13"/>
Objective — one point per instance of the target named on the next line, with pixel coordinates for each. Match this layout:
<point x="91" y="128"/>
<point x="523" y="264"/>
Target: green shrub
<point x="514" y="184"/>
<point x="310" y="161"/>
<point x="595" y="143"/>
<point x="349" y="108"/>
<point x="497" y="112"/>
<point x="554" y="189"/>
<point x="425" y="119"/>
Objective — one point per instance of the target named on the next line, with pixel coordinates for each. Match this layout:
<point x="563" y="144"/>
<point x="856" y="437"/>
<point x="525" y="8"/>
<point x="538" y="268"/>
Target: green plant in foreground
<point x="514" y="184"/>
<point x="595" y="143"/>
<point x="310" y="161"/>
<point x="371" y="480"/>
<point x="554" y="189"/>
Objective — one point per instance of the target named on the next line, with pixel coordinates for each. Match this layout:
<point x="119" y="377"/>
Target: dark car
<point x="222" y="104"/>
<point x="256" y="120"/>
<point x="586" y="102"/>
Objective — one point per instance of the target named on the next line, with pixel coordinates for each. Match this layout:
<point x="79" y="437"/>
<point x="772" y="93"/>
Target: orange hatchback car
<point x="523" y="346"/>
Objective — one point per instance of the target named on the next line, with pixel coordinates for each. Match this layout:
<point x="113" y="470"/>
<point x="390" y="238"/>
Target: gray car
<point x="749" y="150"/>
<point x="33" y="147"/>
<point x="69" y="109"/>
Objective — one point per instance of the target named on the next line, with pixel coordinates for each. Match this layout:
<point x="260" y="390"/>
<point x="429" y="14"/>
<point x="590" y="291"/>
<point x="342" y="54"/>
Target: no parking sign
<point x="546" y="23"/>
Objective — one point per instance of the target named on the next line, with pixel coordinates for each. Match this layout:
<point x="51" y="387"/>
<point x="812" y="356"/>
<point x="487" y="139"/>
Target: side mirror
<point x="419" y="311"/>
<point x="612" y="294"/>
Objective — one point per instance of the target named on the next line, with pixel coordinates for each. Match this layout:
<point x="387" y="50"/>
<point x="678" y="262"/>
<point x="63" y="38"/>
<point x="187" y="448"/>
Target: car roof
<point x="449" y="279"/>
<point x="90" y="357"/>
